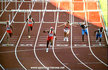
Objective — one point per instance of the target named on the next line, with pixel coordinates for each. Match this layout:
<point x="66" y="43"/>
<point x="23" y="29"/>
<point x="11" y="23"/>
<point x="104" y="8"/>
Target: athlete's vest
<point x="99" y="32"/>
<point x="84" y="27"/>
<point x="50" y="33"/>
<point x="8" y="27"/>
<point x="30" y="21"/>
<point x="66" y="27"/>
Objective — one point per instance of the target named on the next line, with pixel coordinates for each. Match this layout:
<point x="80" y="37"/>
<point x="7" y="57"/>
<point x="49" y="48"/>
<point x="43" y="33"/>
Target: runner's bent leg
<point x="47" y="43"/>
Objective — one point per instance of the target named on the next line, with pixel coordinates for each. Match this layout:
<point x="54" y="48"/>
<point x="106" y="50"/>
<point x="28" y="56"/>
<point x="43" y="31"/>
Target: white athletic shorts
<point x="66" y="31"/>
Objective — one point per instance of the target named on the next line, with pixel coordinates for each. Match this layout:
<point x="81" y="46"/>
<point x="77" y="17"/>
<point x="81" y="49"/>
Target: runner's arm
<point x="61" y="25"/>
<point x="54" y="33"/>
<point x="79" y="23"/>
<point x="71" y="24"/>
<point x="89" y="25"/>
<point x="46" y="31"/>
<point x="33" y="20"/>
<point x="26" y="19"/>
<point x="95" y="31"/>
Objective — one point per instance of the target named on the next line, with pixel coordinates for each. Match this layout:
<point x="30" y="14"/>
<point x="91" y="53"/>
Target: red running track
<point x="26" y="55"/>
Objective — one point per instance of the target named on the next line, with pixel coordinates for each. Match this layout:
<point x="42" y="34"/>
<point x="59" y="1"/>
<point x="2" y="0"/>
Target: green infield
<point x="103" y="4"/>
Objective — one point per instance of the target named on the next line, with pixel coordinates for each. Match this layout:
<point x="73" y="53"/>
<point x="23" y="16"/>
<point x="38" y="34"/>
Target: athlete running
<point x="30" y="24"/>
<point x="9" y="30"/>
<point x="51" y="34"/>
<point x="84" y="30"/>
<point x="66" y="30"/>
<point x="99" y="35"/>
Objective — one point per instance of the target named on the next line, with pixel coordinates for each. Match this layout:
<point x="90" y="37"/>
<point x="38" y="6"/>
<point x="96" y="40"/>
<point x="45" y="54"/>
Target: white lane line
<point x="2" y="37"/>
<point x="2" y="67"/>
<point x="72" y="17"/>
<point x="54" y="41"/>
<point x="93" y="52"/>
<point x="38" y="37"/>
<point x="91" y="63"/>
<point x="19" y="41"/>
<point x="10" y="23"/>
<point x="90" y="43"/>
<point x="4" y="9"/>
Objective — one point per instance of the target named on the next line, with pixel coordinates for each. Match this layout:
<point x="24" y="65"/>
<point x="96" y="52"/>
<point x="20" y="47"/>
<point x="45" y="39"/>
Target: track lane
<point x="103" y="46"/>
<point x="9" y="63"/>
<point x="19" y="41"/>
<point x="85" y="57"/>
<point x="11" y="19"/>
<point x="47" y="59"/>
<point x="65" y="54"/>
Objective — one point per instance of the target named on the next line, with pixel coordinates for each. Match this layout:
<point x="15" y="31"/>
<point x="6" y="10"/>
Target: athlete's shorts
<point x="98" y="35"/>
<point x="9" y="31"/>
<point x="67" y="31"/>
<point x="30" y="25"/>
<point x="50" y="38"/>
<point x="84" y="31"/>
<point x="30" y="28"/>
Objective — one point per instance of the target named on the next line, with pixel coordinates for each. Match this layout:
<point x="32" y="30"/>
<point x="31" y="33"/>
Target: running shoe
<point x="29" y="36"/>
<point x="46" y="49"/>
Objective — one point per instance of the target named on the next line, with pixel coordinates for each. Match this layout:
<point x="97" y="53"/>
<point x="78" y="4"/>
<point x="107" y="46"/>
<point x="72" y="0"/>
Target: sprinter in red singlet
<point x="30" y="25"/>
<point x="9" y="30"/>
<point x="51" y="34"/>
